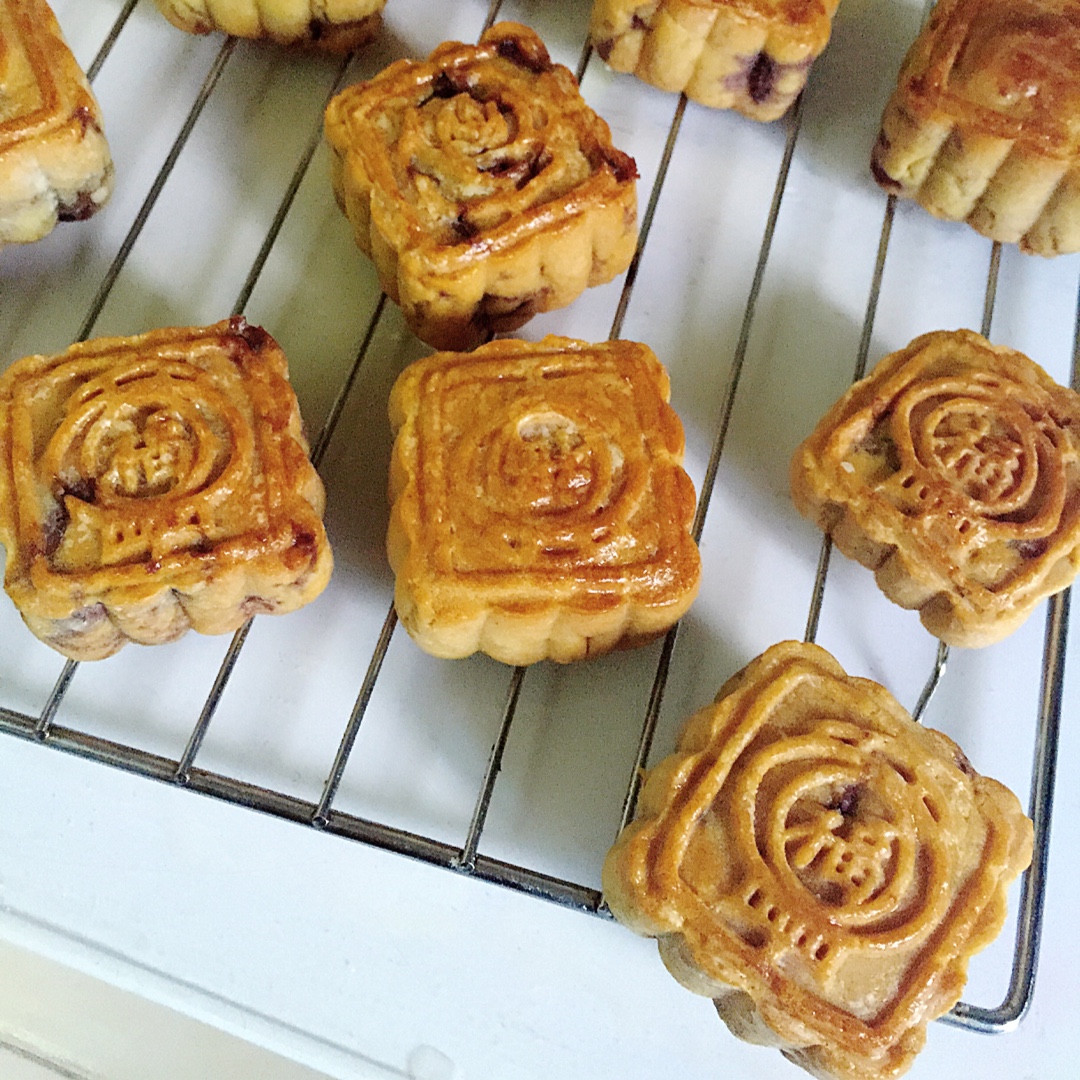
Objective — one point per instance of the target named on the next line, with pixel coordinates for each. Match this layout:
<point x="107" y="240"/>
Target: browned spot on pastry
<point x="604" y="48"/>
<point x="529" y="54"/>
<point x="761" y="80"/>
<point x="638" y="23"/>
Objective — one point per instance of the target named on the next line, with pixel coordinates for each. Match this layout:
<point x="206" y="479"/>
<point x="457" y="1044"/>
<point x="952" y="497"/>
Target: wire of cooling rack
<point x="466" y="858"/>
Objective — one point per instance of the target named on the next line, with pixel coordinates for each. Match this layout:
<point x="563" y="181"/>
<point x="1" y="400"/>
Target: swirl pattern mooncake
<point x="753" y="56"/>
<point x="55" y="163"/>
<point x="156" y="484"/>
<point x="482" y="185"/>
<point x="539" y="507"/>
<point x="335" y="25"/>
<point x="818" y="864"/>
<point x="984" y="124"/>
<point x="953" y="472"/>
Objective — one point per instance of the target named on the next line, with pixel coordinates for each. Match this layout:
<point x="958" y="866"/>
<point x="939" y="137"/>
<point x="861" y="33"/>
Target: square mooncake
<point x="334" y="25"/>
<point x="819" y="865"/>
<point x="984" y="124"/>
<point x="752" y="56"/>
<point x="482" y="186"/>
<point x="55" y="163"/>
<point x="156" y="484"/>
<point x="953" y="472"/>
<point x="539" y="509"/>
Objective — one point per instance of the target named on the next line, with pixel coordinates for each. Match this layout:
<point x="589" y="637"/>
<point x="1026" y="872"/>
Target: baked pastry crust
<point x="153" y="484"/>
<point x="539" y="507"/>
<point x="333" y="25"/>
<point x="819" y="864"/>
<point x="952" y="472"/>
<point x="54" y="161"/>
<point x="984" y="124"/>
<point x="752" y="56"/>
<point x="482" y="186"/>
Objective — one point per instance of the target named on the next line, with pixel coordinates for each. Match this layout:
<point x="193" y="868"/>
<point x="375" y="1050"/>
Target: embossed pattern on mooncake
<point x="482" y="185"/>
<point x="752" y="56"/>
<point x="984" y="124"/>
<point x="953" y="472"/>
<point x="55" y="164"/>
<point x="539" y="507"/>
<point x="819" y="864"/>
<point x="155" y="484"/>
<point x="333" y="25"/>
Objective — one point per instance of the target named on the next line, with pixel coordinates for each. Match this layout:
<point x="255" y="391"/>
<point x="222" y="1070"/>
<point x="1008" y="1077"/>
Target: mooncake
<point x="952" y="472"/>
<point x="334" y="25"/>
<point x="482" y="186"/>
<point x="752" y="56"/>
<point x="984" y="123"/>
<point x="155" y="484"/>
<point x="539" y="509"/>
<point x="818" y="864"/>
<point x="55" y="163"/>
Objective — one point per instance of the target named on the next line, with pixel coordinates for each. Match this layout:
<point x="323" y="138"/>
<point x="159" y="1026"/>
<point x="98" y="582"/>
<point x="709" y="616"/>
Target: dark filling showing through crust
<point x="521" y="172"/>
<point x="501" y="314"/>
<point x="761" y="80"/>
<point x="881" y="147"/>
<point x="80" y="209"/>
<point x="534" y="60"/>
<point x="448" y="84"/>
<point x="254" y="336"/>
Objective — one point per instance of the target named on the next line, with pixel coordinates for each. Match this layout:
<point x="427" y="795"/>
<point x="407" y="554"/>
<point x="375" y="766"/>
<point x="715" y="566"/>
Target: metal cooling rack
<point x="466" y="859"/>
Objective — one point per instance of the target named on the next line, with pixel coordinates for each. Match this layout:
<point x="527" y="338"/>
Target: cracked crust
<point x="156" y="484"/>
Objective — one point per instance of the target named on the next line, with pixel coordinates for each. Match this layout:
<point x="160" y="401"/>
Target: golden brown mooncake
<point x="155" y="484"/>
<point x="482" y="186"/>
<point x="334" y="25"/>
<point x="952" y="472"/>
<point x="54" y="161"/>
<point x="818" y="864"/>
<point x="752" y="56"/>
<point x="539" y="509"/>
<point x="984" y="124"/>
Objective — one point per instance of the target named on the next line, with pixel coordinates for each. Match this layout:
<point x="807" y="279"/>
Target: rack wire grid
<point x="219" y="103"/>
